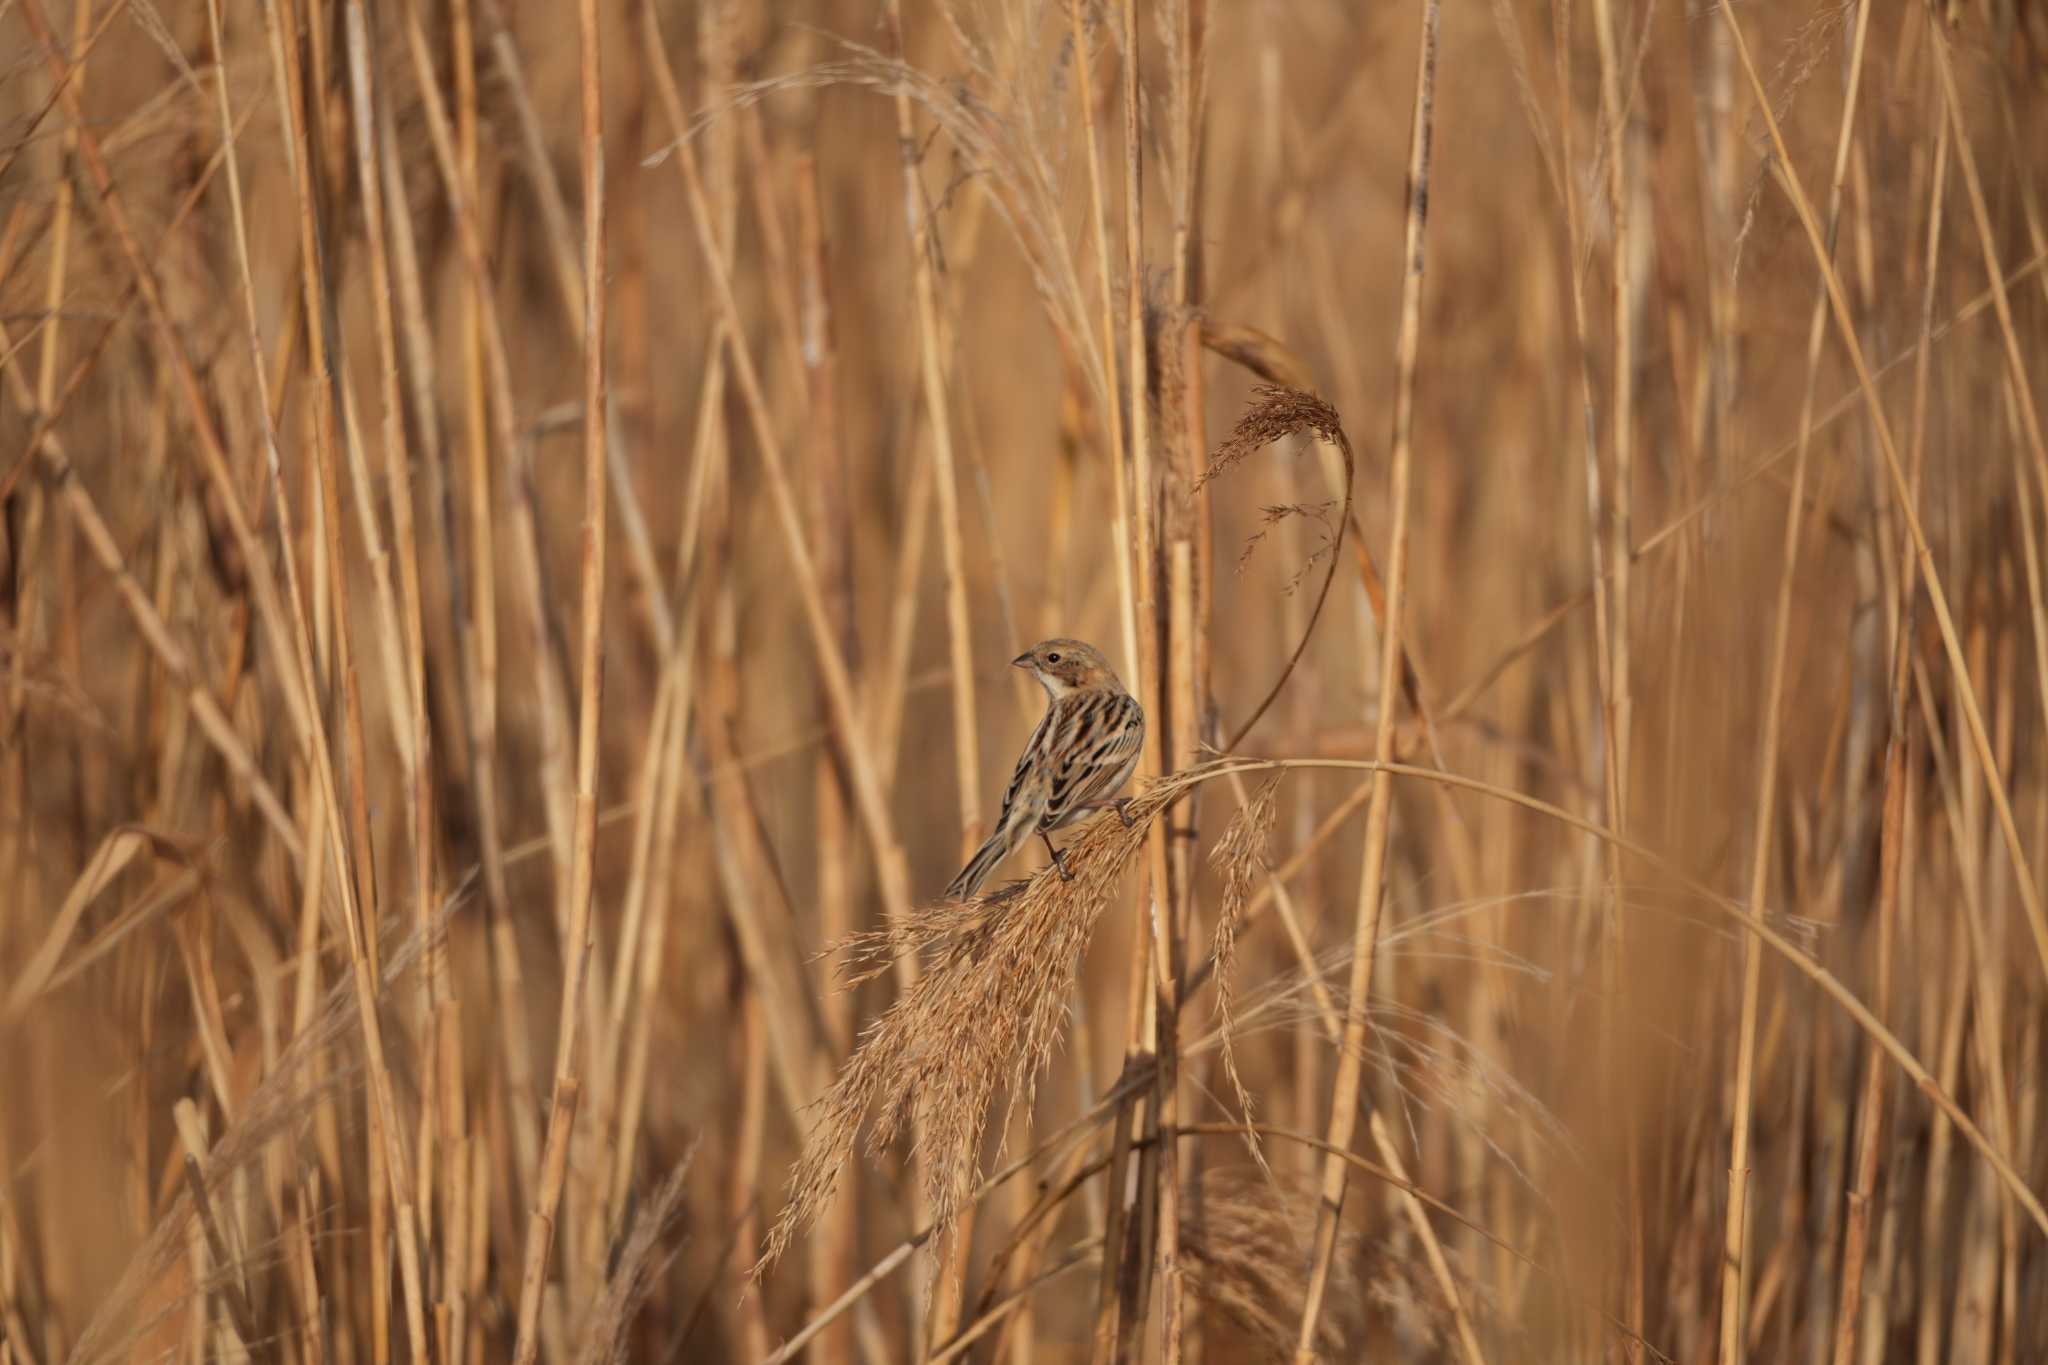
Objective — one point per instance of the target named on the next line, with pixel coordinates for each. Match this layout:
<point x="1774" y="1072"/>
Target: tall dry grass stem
<point x="1345" y="1098"/>
<point x="576" y="942"/>
<point x="1733" y="1268"/>
<point x="1966" y="693"/>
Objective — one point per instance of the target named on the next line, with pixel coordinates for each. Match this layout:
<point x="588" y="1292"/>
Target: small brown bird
<point x="1080" y="755"/>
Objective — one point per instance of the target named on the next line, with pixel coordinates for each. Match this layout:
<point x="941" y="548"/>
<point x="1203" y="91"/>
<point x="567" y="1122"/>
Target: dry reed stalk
<point x="2036" y="603"/>
<point x="1075" y="431"/>
<point x="561" y="241"/>
<point x="1964" y="819"/>
<point x="783" y="271"/>
<point x="742" y="1207"/>
<point x="1602" y="588"/>
<point x="476" y="628"/>
<point x="1345" y="1098"/>
<point x="1698" y="509"/>
<point x="320" y="1060"/>
<point x="751" y="883"/>
<point x="1735" y="1238"/>
<point x="1105" y="360"/>
<point x="1187" y="534"/>
<point x="1238" y="852"/>
<point x="679" y="681"/>
<point x="558" y="233"/>
<point x="1614" y="609"/>
<point x="816" y="339"/>
<point x="1941" y="1143"/>
<point x="649" y="957"/>
<point x="608" y="1180"/>
<point x="1870" y="1103"/>
<point x="1005" y="1311"/>
<point x="1181" y="678"/>
<point x="1749" y="921"/>
<point x="945" y="1307"/>
<point x="869" y="797"/>
<point x="931" y="373"/>
<point x="115" y="852"/>
<point x="2022" y="391"/>
<point x="655" y="799"/>
<point x="417" y="747"/>
<point x="325" y="419"/>
<point x="394" y="1182"/>
<point x="1128" y="1242"/>
<point x="746" y="866"/>
<point x="1030" y="1234"/>
<point x="888" y="695"/>
<point x="45" y="441"/>
<point x="1121" y="543"/>
<point x="550" y="676"/>
<point x="578" y="941"/>
<point x="1965" y="691"/>
<point x="24" y="607"/>
<point x="489" y="417"/>
<point x="212" y="453"/>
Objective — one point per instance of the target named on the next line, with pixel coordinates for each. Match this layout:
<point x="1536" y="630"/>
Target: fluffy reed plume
<point x="1430" y="1066"/>
<point x="1397" y="1289"/>
<point x="1246" y="1257"/>
<point x="986" y="1011"/>
<point x="1240" y="855"/>
<point x="636" y="1269"/>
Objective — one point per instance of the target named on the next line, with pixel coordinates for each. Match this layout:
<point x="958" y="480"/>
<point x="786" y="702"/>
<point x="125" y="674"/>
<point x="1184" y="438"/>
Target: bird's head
<point x="1063" y="666"/>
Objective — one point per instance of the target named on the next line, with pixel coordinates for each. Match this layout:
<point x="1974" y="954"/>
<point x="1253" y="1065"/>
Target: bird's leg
<point x="1059" y="859"/>
<point x="1121" y="806"/>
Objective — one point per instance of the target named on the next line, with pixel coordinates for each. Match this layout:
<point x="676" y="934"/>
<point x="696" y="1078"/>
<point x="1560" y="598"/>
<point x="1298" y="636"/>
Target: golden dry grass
<point x="471" y="802"/>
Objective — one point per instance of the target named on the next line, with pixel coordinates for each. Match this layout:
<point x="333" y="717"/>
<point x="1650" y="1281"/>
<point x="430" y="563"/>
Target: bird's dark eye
<point x="1052" y="658"/>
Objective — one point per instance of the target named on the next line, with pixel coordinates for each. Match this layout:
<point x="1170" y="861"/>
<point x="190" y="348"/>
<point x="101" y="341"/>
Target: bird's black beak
<point x="1021" y="661"/>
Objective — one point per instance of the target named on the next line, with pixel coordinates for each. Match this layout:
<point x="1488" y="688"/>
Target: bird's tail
<point x="985" y="860"/>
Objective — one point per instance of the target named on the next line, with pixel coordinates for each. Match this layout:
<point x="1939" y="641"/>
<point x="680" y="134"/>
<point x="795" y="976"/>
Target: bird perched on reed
<point x="1080" y="755"/>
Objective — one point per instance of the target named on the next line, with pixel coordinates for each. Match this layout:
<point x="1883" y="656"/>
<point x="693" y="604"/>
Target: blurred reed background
<point x="438" y="752"/>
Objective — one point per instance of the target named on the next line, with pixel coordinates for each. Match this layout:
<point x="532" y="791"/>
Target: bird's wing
<point x="1099" y="735"/>
<point x="1025" y="796"/>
